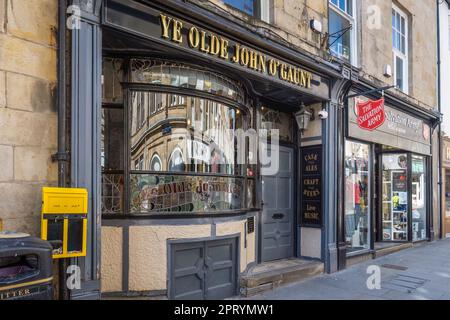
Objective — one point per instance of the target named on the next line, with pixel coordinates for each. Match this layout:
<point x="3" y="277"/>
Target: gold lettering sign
<point x="214" y="45"/>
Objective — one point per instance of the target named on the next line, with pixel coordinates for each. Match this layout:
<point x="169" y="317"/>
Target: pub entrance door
<point x="278" y="210"/>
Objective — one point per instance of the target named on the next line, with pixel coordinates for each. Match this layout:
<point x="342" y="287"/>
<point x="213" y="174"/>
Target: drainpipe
<point x="62" y="156"/>
<point x="440" y="197"/>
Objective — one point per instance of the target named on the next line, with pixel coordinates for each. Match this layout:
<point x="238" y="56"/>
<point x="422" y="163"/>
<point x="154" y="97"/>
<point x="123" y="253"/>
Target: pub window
<point x="342" y="30"/>
<point x="256" y="8"/>
<point x="112" y="136"/>
<point x="181" y="153"/>
<point x="400" y="48"/>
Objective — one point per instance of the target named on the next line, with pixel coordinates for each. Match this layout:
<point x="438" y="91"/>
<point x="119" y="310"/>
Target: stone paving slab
<point x="426" y="277"/>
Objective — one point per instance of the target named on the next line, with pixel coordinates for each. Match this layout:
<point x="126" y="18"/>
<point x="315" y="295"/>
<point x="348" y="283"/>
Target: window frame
<point x="396" y="53"/>
<point x="353" y="31"/>
<point x="238" y="101"/>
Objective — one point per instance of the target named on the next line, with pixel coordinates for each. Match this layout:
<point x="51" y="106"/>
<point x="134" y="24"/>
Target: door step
<point x="269" y="275"/>
<point x="380" y="252"/>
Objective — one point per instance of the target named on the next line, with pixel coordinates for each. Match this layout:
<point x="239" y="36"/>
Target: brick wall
<point x="28" y="120"/>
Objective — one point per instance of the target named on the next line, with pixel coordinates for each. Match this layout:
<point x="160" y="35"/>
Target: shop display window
<point x="357" y="190"/>
<point x="419" y="196"/>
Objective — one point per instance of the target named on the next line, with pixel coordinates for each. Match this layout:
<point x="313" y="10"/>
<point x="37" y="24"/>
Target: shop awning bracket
<point x="382" y="90"/>
<point x="337" y="35"/>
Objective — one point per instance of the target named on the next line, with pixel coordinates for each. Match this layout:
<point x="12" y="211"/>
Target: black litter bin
<point x="25" y="267"/>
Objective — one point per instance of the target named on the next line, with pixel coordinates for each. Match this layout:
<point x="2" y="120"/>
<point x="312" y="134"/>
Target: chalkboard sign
<point x="311" y="186"/>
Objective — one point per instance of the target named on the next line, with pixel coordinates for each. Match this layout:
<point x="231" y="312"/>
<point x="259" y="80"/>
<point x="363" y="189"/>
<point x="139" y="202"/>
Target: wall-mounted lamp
<point x="303" y="117"/>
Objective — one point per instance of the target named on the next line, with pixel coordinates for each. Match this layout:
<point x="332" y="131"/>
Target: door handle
<point x="278" y="216"/>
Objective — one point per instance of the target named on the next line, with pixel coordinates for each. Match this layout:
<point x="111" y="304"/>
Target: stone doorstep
<point x="385" y="251"/>
<point x="273" y="274"/>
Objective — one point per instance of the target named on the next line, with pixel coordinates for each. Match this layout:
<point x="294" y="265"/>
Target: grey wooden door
<point x="221" y="266"/>
<point x="203" y="270"/>
<point x="278" y="210"/>
<point x="187" y="274"/>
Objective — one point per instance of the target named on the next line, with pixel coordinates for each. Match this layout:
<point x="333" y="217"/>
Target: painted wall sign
<point x="212" y="44"/>
<point x="311" y="186"/>
<point x="164" y="28"/>
<point x="387" y="126"/>
<point x="370" y="114"/>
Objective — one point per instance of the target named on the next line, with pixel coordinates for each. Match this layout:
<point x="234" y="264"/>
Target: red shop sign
<point x="370" y="114"/>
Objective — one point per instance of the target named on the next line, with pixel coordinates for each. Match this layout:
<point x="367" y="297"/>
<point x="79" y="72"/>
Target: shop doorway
<point x="403" y="197"/>
<point x="277" y="236"/>
<point x="394" y="208"/>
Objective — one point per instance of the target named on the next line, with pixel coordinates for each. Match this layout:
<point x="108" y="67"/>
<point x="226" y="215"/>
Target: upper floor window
<point x="448" y="153"/>
<point x="256" y="8"/>
<point x="342" y="29"/>
<point x="400" y="48"/>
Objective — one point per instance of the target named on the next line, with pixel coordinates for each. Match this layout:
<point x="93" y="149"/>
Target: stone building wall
<point x="375" y="46"/>
<point x="289" y="22"/>
<point x="28" y="120"/>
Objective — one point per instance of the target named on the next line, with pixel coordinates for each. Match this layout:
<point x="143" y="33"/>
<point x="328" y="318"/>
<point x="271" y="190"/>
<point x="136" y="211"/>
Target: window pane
<point x="180" y="193"/>
<point x="357" y="206"/>
<point x="246" y="6"/>
<point x="112" y="154"/>
<point x="419" y="196"/>
<point x="265" y="10"/>
<point x="403" y="28"/>
<point x="350" y="7"/>
<point x="341" y="46"/>
<point x="395" y="197"/>
<point x="112" y="77"/>
<point x="399" y="73"/>
<point x="155" y="163"/>
<point x="397" y="21"/>
<point x="156" y="72"/>
<point x="403" y="45"/>
<point x="272" y="119"/>
<point x="112" y="193"/>
<point x="189" y="134"/>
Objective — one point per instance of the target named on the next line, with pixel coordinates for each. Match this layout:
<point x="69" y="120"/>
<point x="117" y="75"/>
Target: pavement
<point x="418" y="273"/>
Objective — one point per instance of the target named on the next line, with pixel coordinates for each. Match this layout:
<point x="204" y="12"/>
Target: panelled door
<point x="278" y="210"/>
<point x="203" y="270"/>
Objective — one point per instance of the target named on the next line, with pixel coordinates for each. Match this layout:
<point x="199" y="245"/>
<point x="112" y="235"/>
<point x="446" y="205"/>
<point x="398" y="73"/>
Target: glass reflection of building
<point x="183" y="149"/>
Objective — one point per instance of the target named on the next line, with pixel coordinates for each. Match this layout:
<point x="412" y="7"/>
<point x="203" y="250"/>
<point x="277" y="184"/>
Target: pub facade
<point x="209" y="147"/>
